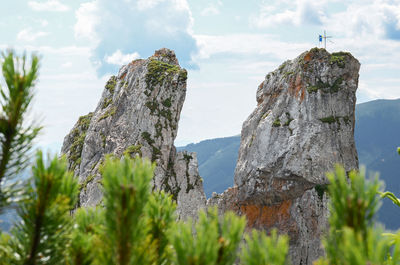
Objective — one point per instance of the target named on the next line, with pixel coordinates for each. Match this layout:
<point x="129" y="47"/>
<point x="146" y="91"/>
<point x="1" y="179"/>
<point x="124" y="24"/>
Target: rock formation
<point x="303" y="125"/>
<point x="138" y="113"/>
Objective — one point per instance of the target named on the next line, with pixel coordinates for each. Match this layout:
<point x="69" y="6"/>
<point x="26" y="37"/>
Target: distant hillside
<point x="376" y="135"/>
<point x="217" y="161"/>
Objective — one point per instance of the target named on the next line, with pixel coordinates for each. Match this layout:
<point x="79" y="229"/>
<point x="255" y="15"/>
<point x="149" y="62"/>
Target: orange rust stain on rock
<point x="261" y="85"/>
<point x="252" y="213"/>
<point x="123" y="76"/>
<point x="298" y="84"/>
<point x="302" y="95"/>
<point x="307" y="57"/>
<point x="259" y="216"/>
<point x="296" y="87"/>
<point x="135" y="62"/>
<point x="260" y="100"/>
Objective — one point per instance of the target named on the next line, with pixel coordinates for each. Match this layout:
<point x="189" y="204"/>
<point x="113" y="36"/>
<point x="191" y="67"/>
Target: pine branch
<point x="16" y="140"/>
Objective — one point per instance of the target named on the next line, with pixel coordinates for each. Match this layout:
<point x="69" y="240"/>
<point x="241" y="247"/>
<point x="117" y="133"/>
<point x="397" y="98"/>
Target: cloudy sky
<point x="228" y="46"/>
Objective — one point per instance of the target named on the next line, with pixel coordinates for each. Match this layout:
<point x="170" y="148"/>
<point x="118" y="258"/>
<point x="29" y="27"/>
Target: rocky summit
<point x="302" y="126"/>
<point x="138" y="114"/>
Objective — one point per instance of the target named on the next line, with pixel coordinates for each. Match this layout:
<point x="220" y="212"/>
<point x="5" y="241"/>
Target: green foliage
<point x="339" y="58"/>
<point x="325" y="87"/>
<point x="330" y="119"/>
<point x="83" y="185"/>
<point x="289" y="119"/>
<point x="43" y="232"/>
<point x="109" y="113"/>
<point x="111" y="83"/>
<point x="16" y="138"/>
<point x="78" y="137"/>
<point x="161" y="218"/>
<point x="167" y="103"/>
<point x="391" y="196"/>
<point x="158" y="72"/>
<point x="126" y="190"/>
<point x="106" y="102"/>
<point x="212" y="240"/>
<point x="353" y="205"/>
<point x="276" y="123"/>
<point x="263" y="250"/>
<point x="88" y="224"/>
<point x="312" y="89"/>
<point x="321" y="189"/>
<point x="136" y="226"/>
<point x="133" y="150"/>
<point x="353" y="237"/>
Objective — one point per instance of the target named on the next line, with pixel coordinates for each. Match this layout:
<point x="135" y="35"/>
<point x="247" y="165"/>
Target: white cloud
<point x="29" y="36"/>
<point x="304" y="12"/>
<point x="50" y="5"/>
<point x="86" y="20"/>
<point x="44" y="22"/>
<point x="250" y="44"/>
<point x="212" y="9"/>
<point x="360" y="19"/>
<point x="118" y="58"/>
<point x="147" y="4"/>
<point x="66" y="65"/>
<point x="141" y="26"/>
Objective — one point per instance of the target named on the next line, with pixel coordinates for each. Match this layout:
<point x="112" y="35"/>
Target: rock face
<point x="302" y="126"/>
<point x="138" y="114"/>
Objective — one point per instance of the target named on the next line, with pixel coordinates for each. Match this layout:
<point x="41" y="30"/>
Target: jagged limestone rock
<point x="302" y="126"/>
<point x="138" y="114"/>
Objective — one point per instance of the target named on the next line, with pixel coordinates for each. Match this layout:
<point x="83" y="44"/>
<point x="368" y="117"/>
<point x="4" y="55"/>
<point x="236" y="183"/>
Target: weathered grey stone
<point x="138" y="114"/>
<point x="303" y="125"/>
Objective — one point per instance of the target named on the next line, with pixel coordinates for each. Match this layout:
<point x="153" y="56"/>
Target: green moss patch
<point x="106" y="102"/>
<point x="182" y="75"/>
<point x="110" y="112"/>
<point x="289" y="119"/>
<point x="325" y="87"/>
<point x="312" y="89"/>
<point x="158" y="71"/>
<point x="321" y="189"/>
<point x="133" y="150"/>
<point x="147" y="137"/>
<point x="167" y="103"/>
<point x="330" y="119"/>
<point x="288" y="73"/>
<point x="111" y="83"/>
<point x="276" y="123"/>
<point x="78" y="137"/>
<point x="339" y="58"/>
<point x="83" y="185"/>
<point x="336" y="119"/>
<point x="84" y="121"/>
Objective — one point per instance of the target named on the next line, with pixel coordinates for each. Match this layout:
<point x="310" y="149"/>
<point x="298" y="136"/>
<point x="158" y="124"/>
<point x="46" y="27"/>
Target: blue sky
<point x="228" y="46"/>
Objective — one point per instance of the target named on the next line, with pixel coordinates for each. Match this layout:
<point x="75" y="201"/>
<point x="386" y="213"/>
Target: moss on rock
<point x="110" y="112"/>
<point x="78" y="137"/>
<point x="339" y="58"/>
<point x="111" y="83"/>
<point x="158" y="71"/>
<point x="276" y="123"/>
<point x="133" y="150"/>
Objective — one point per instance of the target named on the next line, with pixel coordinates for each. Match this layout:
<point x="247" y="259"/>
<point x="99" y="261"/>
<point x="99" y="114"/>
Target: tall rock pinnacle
<point x="138" y="114"/>
<point x="302" y="126"/>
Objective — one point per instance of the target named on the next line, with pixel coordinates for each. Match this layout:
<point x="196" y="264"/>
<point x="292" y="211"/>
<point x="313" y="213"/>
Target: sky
<point x="227" y="46"/>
